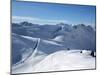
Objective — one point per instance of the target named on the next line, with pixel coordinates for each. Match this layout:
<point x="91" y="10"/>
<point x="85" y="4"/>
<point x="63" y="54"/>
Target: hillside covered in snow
<point x="41" y="48"/>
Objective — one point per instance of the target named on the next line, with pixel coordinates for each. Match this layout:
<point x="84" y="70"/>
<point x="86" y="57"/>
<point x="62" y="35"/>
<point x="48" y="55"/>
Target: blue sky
<point x="52" y="13"/>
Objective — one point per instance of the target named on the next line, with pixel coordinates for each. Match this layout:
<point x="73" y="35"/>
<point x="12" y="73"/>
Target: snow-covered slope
<point x="66" y="60"/>
<point x="22" y="48"/>
<point x="58" y="61"/>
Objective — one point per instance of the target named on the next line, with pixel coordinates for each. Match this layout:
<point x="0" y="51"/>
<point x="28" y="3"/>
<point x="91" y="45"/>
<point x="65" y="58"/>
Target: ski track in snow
<point x="29" y="38"/>
<point x="27" y="64"/>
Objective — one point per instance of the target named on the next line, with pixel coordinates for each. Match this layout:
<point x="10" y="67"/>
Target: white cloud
<point x="17" y="19"/>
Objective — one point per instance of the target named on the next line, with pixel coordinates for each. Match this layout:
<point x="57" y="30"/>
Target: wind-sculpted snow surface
<point x="41" y="48"/>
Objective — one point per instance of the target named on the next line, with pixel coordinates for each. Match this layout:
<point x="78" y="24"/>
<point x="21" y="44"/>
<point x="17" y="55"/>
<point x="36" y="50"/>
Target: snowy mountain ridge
<point x="73" y="37"/>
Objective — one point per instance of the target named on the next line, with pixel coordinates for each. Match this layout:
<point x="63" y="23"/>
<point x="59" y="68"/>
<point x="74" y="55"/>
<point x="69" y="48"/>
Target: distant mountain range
<point x="74" y="37"/>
